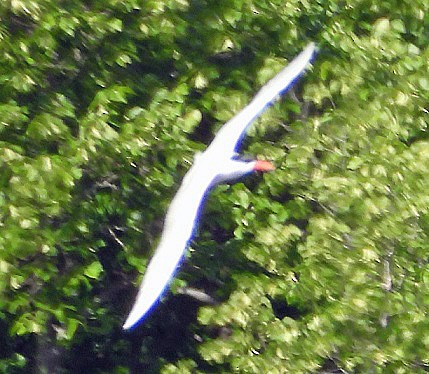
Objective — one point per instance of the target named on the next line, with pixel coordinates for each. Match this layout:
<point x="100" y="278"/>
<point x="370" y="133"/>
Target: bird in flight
<point x="217" y="164"/>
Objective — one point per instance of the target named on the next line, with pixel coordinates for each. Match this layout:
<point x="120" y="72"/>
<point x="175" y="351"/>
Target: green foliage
<point x="319" y="266"/>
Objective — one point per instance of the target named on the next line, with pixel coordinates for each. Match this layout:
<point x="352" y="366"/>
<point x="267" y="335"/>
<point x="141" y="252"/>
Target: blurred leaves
<point x="320" y="266"/>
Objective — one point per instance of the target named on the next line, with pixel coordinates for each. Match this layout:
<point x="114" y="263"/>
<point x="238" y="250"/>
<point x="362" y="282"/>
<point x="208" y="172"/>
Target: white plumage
<point x="213" y="166"/>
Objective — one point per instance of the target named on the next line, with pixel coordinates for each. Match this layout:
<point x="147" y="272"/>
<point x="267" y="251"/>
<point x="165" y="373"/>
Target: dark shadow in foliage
<point x="330" y="367"/>
<point x="22" y="345"/>
<point x="282" y="309"/>
<point x="233" y="59"/>
<point x="204" y="132"/>
<point x="165" y="335"/>
<point x="92" y="352"/>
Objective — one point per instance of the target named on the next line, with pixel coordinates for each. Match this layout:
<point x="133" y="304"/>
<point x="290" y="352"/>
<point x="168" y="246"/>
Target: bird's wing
<point x="178" y="227"/>
<point x="230" y="134"/>
<point x="183" y="211"/>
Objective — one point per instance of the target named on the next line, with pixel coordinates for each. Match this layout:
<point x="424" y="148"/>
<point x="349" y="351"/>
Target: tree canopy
<point x="320" y="266"/>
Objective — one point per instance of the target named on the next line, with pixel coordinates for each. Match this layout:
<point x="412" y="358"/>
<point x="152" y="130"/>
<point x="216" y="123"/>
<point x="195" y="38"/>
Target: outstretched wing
<point x="183" y="211"/>
<point x="178" y="228"/>
<point x="231" y="133"/>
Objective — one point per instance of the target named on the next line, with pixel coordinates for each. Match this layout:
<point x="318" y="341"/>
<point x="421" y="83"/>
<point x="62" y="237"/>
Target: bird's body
<point x="215" y="165"/>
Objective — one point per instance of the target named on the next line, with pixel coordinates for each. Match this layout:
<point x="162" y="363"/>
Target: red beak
<point x="262" y="165"/>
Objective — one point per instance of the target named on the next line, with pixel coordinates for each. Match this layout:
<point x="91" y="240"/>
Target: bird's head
<point x="236" y="168"/>
<point x="263" y="166"/>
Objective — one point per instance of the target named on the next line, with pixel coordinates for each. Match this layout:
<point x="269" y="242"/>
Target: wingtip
<point x="310" y="49"/>
<point x="311" y="45"/>
<point x="143" y="305"/>
<point x="136" y="316"/>
<point x="128" y="324"/>
<point x="132" y="321"/>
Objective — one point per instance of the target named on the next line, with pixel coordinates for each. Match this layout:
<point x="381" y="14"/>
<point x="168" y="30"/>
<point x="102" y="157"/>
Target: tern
<point x="217" y="164"/>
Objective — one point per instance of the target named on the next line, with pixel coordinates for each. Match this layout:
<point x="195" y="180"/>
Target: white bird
<point x="217" y="164"/>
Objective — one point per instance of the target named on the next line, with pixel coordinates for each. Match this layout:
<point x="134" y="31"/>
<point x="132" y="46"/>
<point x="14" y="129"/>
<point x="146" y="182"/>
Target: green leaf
<point x="93" y="270"/>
